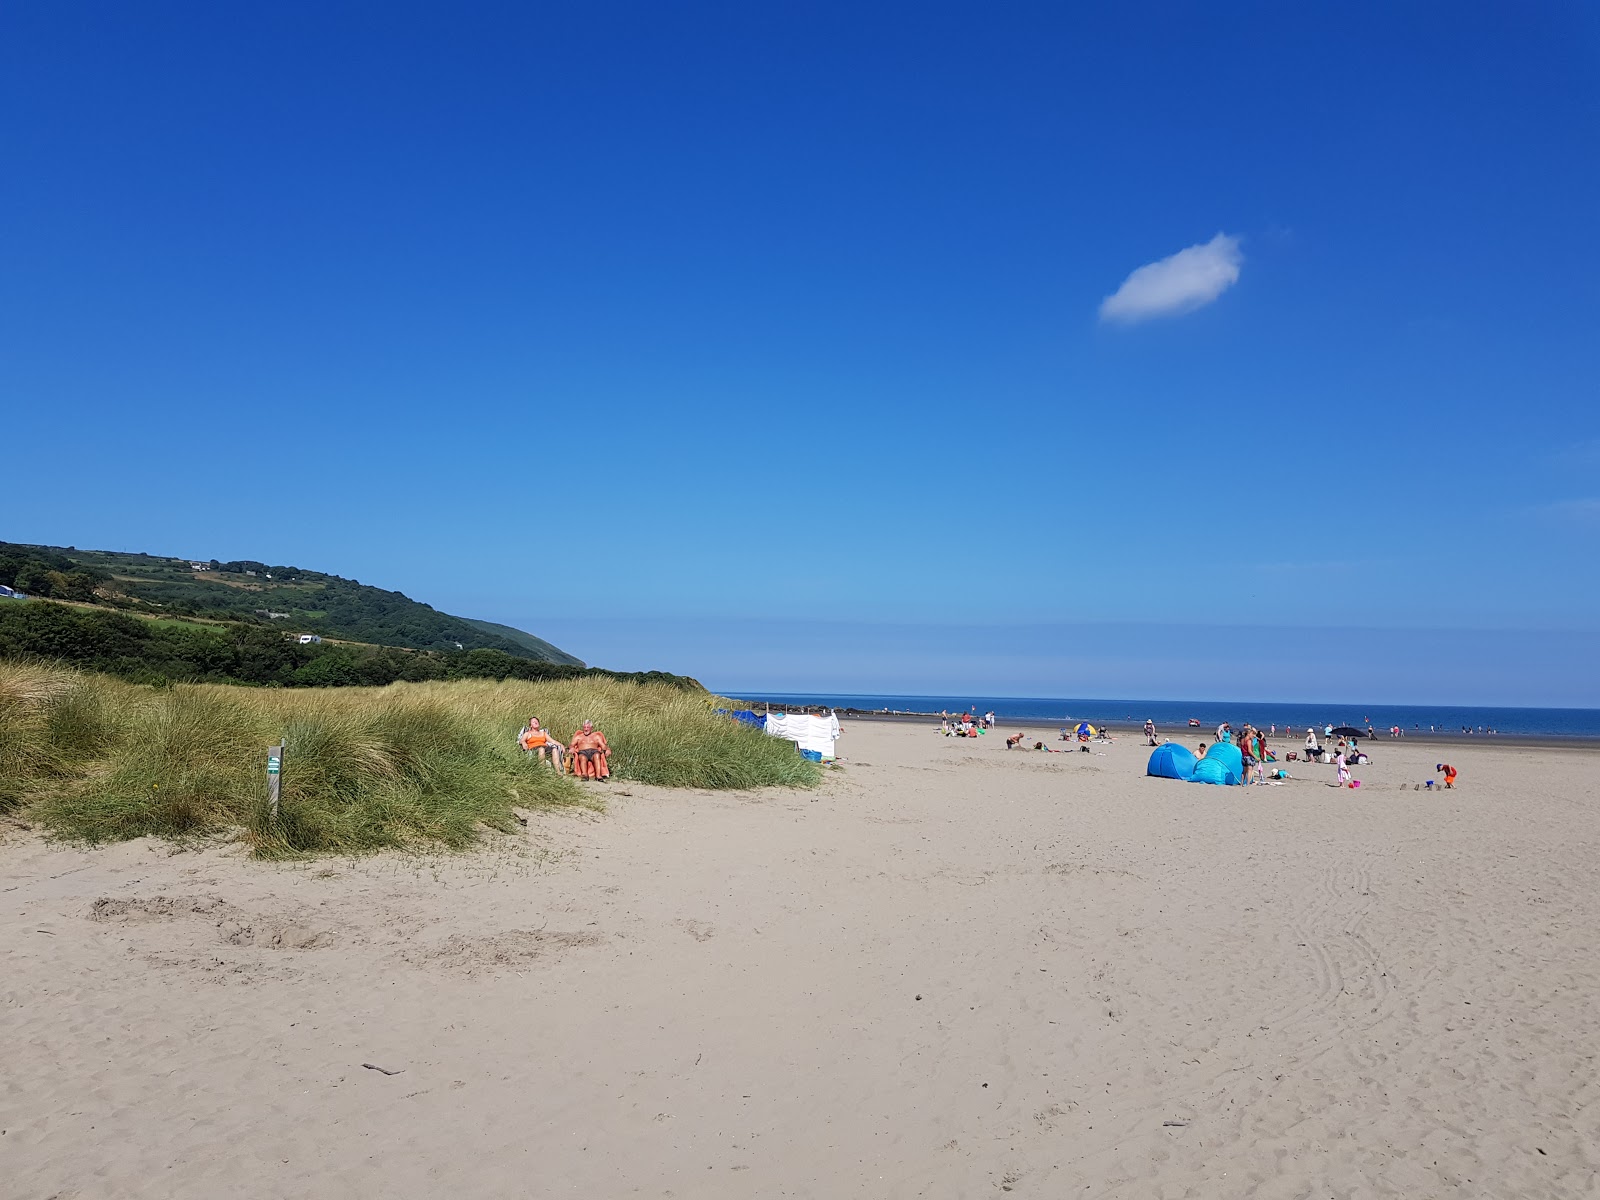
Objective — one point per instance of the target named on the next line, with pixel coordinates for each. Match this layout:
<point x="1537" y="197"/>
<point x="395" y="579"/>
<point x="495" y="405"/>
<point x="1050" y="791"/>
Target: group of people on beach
<point x="586" y="755"/>
<point x="965" y="724"/>
<point x="1252" y="743"/>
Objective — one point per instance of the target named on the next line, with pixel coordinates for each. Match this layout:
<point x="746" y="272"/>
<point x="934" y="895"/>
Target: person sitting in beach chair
<point x="534" y="740"/>
<point x="590" y="752"/>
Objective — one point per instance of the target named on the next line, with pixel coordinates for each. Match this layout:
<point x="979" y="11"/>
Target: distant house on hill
<point x="194" y="566"/>
<point x="310" y="639"/>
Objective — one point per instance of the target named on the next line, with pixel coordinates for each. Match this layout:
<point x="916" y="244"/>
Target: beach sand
<point x="951" y="971"/>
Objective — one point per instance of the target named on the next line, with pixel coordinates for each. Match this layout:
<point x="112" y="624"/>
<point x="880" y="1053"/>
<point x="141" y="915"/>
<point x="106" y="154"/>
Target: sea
<point x="1169" y="715"/>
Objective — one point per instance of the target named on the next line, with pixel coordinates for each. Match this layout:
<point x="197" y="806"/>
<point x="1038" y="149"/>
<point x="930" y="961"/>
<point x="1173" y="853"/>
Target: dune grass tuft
<point x="406" y="766"/>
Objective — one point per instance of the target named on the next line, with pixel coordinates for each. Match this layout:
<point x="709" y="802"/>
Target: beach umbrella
<point x="1347" y="732"/>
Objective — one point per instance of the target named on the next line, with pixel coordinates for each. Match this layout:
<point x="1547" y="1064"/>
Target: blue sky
<point x="811" y="349"/>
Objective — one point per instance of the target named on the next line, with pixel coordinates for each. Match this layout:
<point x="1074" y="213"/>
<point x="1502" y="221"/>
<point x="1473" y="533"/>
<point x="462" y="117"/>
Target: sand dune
<point x="953" y="971"/>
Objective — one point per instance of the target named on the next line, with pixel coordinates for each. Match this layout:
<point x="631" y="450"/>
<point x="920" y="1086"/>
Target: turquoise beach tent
<point x="1171" y="761"/>
<point x="1222" y="764"/>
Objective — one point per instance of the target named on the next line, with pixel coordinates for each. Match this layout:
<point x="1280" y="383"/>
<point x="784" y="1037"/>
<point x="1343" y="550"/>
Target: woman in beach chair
<point x="534" y="740"/>
<point x="589" y="752"/>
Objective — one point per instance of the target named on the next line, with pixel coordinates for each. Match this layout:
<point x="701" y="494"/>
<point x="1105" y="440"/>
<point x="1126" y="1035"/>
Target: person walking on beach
<point x="1150" y="732"/>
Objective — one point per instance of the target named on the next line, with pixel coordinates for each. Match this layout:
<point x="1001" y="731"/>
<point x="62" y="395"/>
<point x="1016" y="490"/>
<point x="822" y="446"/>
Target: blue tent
<point x="1171" y="761"/>
<point x="1223" y="763"/>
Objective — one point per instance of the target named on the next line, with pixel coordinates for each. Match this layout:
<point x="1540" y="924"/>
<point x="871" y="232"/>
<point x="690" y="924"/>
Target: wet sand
<point x="952" y="971"/>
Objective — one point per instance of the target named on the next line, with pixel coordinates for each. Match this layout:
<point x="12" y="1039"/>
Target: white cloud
<point x="1181" y="283"/>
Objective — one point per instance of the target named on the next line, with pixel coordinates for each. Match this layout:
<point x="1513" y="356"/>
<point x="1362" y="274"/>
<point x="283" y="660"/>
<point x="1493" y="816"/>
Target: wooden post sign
<point x="274" y="778"/>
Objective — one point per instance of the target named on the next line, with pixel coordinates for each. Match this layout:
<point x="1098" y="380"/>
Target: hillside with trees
<point x="278" y="598"/>
<point x="168" y="650"/>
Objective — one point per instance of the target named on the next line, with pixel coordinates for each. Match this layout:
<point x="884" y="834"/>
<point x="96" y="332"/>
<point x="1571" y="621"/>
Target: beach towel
<point x="806" y="731"/>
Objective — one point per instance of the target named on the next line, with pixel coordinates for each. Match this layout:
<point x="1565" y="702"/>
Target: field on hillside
<point x="98" y="759"/>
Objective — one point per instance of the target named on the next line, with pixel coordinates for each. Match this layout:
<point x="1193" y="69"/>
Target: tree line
<point x="41" y="573"/>
<point x="161" y="652"/>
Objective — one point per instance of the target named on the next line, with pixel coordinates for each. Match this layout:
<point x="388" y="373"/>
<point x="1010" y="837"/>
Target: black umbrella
<point x="1346" y="731"/>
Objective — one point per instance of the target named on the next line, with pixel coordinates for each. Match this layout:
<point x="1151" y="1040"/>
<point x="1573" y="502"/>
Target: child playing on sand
<point x="1448" y="772"/>
<point x="1344" y="771"/>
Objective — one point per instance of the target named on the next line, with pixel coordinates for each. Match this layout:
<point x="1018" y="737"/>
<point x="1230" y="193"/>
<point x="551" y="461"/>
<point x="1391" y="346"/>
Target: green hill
<point x="535" y="646"/>
<point x="285" y="598"/>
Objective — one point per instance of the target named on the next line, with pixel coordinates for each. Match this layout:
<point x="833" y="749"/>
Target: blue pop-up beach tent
<point x="1171" y="761"/>
<point x="1223" y="764"/>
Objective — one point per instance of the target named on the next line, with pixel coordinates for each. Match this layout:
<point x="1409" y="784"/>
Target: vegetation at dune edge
<point x="409" y="766"/>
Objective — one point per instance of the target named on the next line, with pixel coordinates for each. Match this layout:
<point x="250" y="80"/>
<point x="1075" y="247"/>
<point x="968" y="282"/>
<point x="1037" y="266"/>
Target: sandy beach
<point x="952" y="971"/>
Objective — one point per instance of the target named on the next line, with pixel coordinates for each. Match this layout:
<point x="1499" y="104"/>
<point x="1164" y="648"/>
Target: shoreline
<point x="1509" y="741"/>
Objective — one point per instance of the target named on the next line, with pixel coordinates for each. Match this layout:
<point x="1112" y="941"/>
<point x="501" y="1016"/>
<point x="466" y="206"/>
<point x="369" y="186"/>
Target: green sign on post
<point x="274" y="778"/>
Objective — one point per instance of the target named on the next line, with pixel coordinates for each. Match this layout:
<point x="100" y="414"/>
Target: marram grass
<point x="417" y="765"/>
